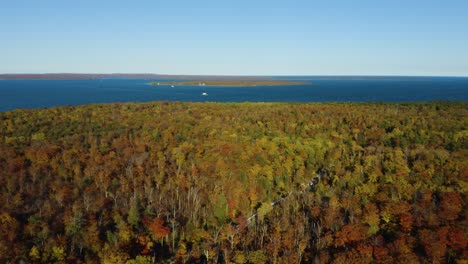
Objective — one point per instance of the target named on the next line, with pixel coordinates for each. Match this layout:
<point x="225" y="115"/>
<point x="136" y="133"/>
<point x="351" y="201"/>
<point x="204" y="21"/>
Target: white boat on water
<point x="172" y="86"/>
<point x="204" y="94"/>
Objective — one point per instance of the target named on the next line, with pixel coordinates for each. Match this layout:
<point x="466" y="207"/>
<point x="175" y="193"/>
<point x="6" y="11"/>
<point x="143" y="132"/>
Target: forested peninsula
<point x="235" y="183"/>
<point x="230" y="83"/>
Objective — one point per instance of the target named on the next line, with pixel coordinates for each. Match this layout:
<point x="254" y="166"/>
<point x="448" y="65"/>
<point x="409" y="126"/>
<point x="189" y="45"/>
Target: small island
<point x="230" y="83"/>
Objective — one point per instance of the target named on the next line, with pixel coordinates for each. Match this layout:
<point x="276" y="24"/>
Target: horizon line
<point x="234" y="75"/>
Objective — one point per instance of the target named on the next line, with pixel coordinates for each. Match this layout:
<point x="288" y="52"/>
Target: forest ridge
<point x="177" y="182"/>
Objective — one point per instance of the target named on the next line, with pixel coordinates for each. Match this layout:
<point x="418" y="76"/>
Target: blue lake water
<point x="16" y="94"/>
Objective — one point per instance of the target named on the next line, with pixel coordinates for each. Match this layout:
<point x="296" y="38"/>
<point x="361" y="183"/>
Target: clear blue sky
<point x="239" y="37"/>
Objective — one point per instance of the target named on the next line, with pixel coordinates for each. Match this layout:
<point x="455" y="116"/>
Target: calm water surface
<point x="16" y="94"/>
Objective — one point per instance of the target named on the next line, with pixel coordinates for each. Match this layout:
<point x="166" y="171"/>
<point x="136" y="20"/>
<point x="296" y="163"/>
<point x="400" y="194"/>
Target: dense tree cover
<point x="152" y="182"/>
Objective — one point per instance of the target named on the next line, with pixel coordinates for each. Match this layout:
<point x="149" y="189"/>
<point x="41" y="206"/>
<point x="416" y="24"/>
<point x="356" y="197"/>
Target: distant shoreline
<point x="92" y="76"/>
<point x="230" y="83"/>
<point x="185" y="77"/>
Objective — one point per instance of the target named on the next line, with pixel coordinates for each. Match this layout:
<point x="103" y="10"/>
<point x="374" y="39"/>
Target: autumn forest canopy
<point x="230" y="183"/>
